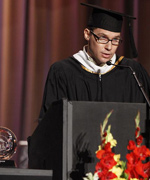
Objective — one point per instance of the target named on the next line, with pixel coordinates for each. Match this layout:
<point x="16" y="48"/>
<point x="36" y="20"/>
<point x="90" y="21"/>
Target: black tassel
<point x="133" y="47"/>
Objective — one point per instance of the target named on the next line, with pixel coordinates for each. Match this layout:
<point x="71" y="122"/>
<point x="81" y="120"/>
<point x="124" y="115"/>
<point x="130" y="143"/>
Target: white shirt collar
<point x="90" y="64"/>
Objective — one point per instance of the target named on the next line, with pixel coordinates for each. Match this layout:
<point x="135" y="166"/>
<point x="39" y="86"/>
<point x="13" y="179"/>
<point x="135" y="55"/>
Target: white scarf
<point x="89" y="63"/>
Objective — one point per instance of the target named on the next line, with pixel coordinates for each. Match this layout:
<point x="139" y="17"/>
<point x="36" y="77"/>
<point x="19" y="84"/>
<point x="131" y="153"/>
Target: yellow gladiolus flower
<point x="117" y="170"/>
<point x="117" y="157"/>
<point x="112" y="141"/>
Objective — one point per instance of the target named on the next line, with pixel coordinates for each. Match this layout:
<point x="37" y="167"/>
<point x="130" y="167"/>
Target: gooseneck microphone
<point x="121" y="66"/>
<point x="134" y="74"/>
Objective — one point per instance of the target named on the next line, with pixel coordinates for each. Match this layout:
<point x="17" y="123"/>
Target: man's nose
<point x="109" y="45"/>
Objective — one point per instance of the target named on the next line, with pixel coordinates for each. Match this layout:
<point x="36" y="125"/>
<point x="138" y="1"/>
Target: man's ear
<point x="86" y="34"/>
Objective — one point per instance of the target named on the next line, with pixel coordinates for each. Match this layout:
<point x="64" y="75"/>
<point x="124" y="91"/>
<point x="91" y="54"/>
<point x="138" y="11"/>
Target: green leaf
<point x="125" y="176"/>
<point x="123" y="165"/>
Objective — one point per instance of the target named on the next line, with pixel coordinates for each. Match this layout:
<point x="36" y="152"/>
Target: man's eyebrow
<point x="117" y="37"/>
<point x="103" y="34"/>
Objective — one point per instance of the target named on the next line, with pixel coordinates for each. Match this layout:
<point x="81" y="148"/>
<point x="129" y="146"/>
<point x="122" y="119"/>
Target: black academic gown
<point x="67" y="79"/>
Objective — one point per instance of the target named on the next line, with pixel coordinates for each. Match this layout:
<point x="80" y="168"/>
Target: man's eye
<point x="103" y="38"/>
<point x="116" y="39"/>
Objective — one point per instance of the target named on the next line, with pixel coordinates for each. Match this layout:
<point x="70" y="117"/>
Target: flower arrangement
<point x="110" y="166"/>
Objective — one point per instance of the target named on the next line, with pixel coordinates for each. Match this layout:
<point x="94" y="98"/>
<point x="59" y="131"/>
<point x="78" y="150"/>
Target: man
<point x="86" y="76"/>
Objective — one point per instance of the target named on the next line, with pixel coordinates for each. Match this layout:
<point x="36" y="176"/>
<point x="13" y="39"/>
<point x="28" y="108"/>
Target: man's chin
<point x="102" y="62"/>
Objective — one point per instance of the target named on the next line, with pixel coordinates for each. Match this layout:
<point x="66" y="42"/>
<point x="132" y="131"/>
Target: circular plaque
<point x="8" y="143"/>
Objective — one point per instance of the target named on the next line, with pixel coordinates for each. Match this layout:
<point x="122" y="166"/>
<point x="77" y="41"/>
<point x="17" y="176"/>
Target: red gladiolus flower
<point x="99" y="168"/>
<point x="108" y="147"/>
<point x="105" y="134"/>
<point x="131" y="173"/>
<point x="137" y="131"/>
<point x="142" y="152"/>
<point x="146" y="168"/>
<point x="131" y="145"/>
<point x="100" y="153"/>
<point x="132" y="158"/>
<point x="104" y="153"/>
<point x="139" y="140"/>
<point x="143" y="169"/>
<point x="108" y="162"/>
<point x="138" y="128"/>
<point x="109" y="175"/>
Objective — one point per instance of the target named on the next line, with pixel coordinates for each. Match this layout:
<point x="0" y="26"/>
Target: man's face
<point x="101" y="53"/>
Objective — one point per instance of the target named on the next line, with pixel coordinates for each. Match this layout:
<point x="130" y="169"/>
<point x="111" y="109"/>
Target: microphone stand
<point x="141" y="87"/>
<point x="147" y="125"/>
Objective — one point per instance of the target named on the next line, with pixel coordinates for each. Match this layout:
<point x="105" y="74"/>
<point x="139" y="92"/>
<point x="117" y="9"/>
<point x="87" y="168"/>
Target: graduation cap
<point x="110" y="20"/>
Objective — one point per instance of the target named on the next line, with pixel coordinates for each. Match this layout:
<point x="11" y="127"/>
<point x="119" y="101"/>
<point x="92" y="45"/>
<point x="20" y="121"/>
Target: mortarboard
<point x="110" y="20"/>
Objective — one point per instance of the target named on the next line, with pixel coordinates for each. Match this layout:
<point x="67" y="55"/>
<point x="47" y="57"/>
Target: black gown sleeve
<point x="55" y="88"/>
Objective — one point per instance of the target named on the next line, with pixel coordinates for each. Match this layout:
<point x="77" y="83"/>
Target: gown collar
<point x="90" y="64"/>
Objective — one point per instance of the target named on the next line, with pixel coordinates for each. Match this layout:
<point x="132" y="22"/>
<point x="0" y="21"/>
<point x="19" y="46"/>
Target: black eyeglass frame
<point x="98" y="38"/>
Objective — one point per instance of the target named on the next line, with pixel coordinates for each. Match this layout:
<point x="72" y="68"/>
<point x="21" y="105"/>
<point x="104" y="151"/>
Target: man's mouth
<point x="105" y="55"/>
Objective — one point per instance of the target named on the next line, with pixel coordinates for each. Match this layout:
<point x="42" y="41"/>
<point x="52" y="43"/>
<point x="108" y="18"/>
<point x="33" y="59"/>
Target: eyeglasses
<point x="104" y="39"/>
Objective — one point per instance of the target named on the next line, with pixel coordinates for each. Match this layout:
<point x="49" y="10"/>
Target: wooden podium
<point x="66" y="139"/>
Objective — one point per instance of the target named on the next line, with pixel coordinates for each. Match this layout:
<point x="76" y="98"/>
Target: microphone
<point x="134" y="74"/>
<point x="122" y="66"/>
<point x="109" y="63"/>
